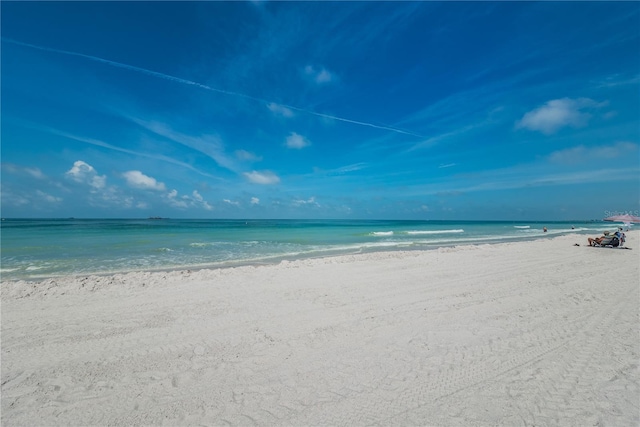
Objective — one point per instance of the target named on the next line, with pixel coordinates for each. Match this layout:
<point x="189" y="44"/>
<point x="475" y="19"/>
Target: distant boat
<point x="157" y="217"/>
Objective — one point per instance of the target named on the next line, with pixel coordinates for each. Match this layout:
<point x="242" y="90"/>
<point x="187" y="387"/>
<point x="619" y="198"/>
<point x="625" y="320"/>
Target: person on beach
<point x="593" y="241"/>
<point x="607" y="239"/>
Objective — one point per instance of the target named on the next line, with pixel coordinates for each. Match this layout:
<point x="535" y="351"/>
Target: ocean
<point x="37" y="249"/>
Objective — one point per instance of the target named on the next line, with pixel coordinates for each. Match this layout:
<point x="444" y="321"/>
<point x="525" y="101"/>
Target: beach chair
<point x="611" y="241"/>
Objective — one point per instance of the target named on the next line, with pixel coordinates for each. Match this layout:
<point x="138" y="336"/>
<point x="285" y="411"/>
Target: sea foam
<point x="459" y="230"/>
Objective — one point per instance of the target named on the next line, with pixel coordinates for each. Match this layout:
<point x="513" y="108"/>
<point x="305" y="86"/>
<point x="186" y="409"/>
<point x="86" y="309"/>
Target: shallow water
<point x="52" y="247"/>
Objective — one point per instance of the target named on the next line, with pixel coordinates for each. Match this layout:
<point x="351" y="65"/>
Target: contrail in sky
<point x="200" y="85"/>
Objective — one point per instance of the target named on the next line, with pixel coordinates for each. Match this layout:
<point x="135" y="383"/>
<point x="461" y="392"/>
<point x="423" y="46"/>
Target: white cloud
<point x="85" y="173"/>
<point x="80" y="170"/>
<point x="448" y="165"/>
<point x="581" y="153"/>
<point x="255" y="201"/>
<point x="99" y="182"/>
<point x="197" y="196"/>
<point x="557" y="114"/>
<point x="264" y="177"/>
<point x="280" y="110"/>
<point x="137" y="179"/>
<point x="311" y="201"/>
<point x="200" y="201"/>
<point x="296" y="141"/>
<point x="319" y="75"/>
<point x="231" y="202"/>
<point x="184" y="202"/>
<point x="172" y="198"/>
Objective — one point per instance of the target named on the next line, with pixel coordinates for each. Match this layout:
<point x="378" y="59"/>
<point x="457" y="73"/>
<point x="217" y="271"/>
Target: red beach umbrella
<point x="627" y="219"/>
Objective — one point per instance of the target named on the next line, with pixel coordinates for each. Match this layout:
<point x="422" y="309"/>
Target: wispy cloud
<point x="457" y="107"/>
<point x="202" y="86"/>
<point x="48" y="197"/>
<point x="336" y="33"/>
<point x="247" y="156"/>
<point x="516" y="178"/>
<point x="584" y="177"/>
<point x="349" y="168"/>
<point x="580" y="153"/>
<point x="618" y="80"/>
<point x="447" y="165"/>
<point x="458" y="114"/>
<point x="36" y="173"/>
<point x="32" y="172"/>
<point x="311" y="201"/>
<point x="437" y="139"/>
<point x="263" y="177"/>
<point x="340" y="170"/>
<point x="37" y="199"/>
<point x="210" y="145"/>
<point x="99" y="143"/>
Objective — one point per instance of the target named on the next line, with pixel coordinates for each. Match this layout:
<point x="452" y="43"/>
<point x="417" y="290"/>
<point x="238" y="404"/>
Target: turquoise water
<point x="33" y="249"/>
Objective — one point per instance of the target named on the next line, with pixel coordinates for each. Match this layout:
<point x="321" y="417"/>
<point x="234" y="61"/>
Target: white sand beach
<point x="538" y="333"/>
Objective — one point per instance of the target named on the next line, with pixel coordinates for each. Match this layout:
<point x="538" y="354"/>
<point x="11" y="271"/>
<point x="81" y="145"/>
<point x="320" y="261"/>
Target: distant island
<point x="157" y="217"/>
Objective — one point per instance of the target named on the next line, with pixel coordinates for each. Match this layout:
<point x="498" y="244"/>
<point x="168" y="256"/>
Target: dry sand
<point x="528" y="333"/>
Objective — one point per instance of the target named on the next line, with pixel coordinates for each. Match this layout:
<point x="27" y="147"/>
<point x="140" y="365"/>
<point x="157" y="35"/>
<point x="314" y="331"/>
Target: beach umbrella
<point x="627" y="219"/>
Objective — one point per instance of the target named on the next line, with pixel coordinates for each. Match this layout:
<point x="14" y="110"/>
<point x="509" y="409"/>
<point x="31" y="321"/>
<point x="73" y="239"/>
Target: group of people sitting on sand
<point x="608" y="239"/>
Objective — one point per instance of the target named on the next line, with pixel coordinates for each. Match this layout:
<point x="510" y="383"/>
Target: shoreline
<point x="539" y="332"/>
<point x="317" y="254"/>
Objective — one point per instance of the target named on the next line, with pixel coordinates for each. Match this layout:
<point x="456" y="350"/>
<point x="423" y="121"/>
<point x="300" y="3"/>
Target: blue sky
<point x="382" y="110"/>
